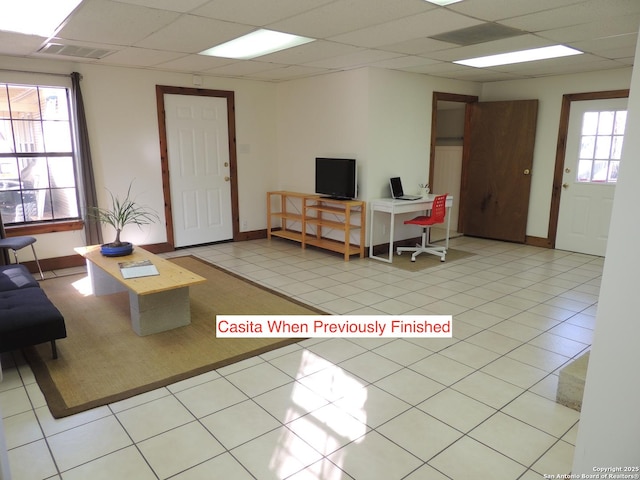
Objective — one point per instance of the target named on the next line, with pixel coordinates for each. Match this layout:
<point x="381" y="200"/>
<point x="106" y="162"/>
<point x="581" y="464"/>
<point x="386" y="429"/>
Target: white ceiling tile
<point x="194" y="63"/>
<point x="114" y="23"/>
<point x="18" y="44"/>
<point x="143" y="57"/>
<point x="407" y="28"/>
<point x="418" y="46"/>
<point x="499" y="46"/>
<point x="348" y="15"/>
<point x="606" y="27"/>
<point x="405" y="61"/>
<point x="586" y="12"/>
<point x="203" y="33"/>
<point x="309" y="52"/>
<point x="288" y="73"/>
<point x="391" y="34"/>
<point x="492" y="10"/>
<point x="173" y="5"/>
<point x="356" y="59"/>
<point x="238" y="69"/>
<point x="256" y="12"/>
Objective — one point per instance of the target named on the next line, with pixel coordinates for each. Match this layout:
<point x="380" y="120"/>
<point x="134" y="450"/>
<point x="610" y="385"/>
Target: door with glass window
<point x="594" y="147"/>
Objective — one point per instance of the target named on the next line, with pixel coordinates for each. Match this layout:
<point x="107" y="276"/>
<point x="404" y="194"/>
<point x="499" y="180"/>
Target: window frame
<point x="48" y="225"/>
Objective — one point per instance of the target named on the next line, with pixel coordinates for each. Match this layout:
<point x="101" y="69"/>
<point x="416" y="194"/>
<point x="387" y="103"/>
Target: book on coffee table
<point x="139" y="268"/>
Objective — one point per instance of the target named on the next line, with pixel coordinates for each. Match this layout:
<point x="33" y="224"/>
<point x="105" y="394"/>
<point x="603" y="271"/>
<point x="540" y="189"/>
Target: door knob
<point x="527" y="171"/>
<point x="226" y="179"/>
<point x="565" y="185"/>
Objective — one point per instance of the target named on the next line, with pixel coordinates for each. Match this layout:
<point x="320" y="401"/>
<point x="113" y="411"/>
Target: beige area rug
<point x="425" y="260"/>
<point x="102" y="360"/>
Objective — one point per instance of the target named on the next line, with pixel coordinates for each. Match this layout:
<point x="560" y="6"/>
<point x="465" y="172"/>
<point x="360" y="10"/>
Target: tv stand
<point x="317" y="218"/>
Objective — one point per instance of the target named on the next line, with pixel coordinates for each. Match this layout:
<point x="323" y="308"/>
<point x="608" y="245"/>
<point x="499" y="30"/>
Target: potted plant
<point x="123" y="212"/>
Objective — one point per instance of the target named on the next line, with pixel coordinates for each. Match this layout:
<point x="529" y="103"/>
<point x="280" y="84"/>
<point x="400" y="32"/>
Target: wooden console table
<point x="157" y="303"/>
<point x="321" y="214"/>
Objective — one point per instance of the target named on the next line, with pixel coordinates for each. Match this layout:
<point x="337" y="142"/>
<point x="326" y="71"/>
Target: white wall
<point x="549" y="92"/>
<point x="380" y="117"/>
<point x="122" y="119"/>
<point x="609" y="432"/>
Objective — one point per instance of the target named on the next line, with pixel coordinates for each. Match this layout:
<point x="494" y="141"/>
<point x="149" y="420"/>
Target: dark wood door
<point x="496" y="171"/>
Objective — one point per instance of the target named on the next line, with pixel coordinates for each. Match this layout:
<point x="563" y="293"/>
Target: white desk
<point x="394" y="207"/>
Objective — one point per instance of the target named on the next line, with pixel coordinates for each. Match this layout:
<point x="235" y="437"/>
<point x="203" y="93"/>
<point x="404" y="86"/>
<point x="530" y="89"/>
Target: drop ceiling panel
<point x="166" y="34"/>
<point x="114" y="23"/>
<point x="499" y="46"/>
<point x="586" y="12"/>
<point x="256" y="12"/>
<point x="407" y="28"/>
<point x="144" y="57"/>
<point x="310" y="52"/>
<point x="287" y="73"/>
<point x="607" y="27"/>
<point x="194" y="63"/>
<point x="180" y="6"/>
<point x="12" y="44"/>
<point x="492" y="10"/>
<point x="353" y="60"/>
<point x="348" y="15"/>
<point x="203" y="33"/>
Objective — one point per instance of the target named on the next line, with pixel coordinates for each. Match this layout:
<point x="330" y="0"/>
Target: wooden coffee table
<point x="157" y="303"/>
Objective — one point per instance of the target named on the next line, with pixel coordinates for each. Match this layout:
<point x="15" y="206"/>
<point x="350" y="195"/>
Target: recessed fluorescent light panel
<point x="35" y="17"/>
<point x="255" y="44"/>
<point x="543" y="53"/>
<point x="443" y="3"/>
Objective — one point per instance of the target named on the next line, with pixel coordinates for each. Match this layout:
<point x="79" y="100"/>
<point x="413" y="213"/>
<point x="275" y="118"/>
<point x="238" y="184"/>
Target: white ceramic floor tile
<point x="487" y="389"/>
<point x="179" y="449"/>
<point x="543" y="413"/>
<point x="210" y="397"/>
<point x="32" y="460"/>
<point x="87" y="442"/>
<point x="457" y="410"/>
<point x="402" y="352"/>
<point x="513" y="438"/>
<point x="374" y="456"/>
<point x="410" y="386"/>
<point x="468" y="459"/>
<point x="372" y="405"/>
<point x="221" y="467"/>
<point x="442" y="369"/>
<point x="419" y="433"/>
<point x="276" y="455"/>
<point x="258" y="379"/>
<point x="125" y="463"/>
<point x="150" y="419"/>
<point x="520" y="313"/>
<point x="240" y="423"/>
<point x="558" y="459"/>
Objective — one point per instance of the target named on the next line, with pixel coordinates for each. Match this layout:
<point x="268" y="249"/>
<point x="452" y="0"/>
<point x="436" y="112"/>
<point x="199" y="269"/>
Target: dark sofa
<point x="27" y="316"/>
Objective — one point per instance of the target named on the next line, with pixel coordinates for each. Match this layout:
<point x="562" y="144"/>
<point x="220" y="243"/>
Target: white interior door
<point x="585" y="206"/>
<point x="198" y="151"/>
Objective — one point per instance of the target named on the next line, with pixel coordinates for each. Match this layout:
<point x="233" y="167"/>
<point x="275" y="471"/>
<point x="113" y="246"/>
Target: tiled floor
<point x="478" y="406"/>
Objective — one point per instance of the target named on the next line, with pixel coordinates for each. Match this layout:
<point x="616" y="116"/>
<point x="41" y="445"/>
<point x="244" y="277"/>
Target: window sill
<point x="40" y="228"/>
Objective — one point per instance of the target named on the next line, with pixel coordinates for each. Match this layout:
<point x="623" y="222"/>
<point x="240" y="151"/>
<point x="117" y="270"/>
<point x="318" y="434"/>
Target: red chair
<point x="436" y="216"/>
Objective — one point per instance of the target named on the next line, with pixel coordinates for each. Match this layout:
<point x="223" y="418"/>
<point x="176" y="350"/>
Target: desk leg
<point x="389" y="258"/>
<point x="161" y="311"/>
<point x="446" y="244"/>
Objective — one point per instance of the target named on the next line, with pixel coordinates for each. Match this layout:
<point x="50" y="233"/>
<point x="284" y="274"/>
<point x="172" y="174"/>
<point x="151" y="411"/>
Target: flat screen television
<point x="337" y="177"/>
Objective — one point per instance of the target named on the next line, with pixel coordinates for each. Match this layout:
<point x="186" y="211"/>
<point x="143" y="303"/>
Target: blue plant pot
<point x="108" y="250"/>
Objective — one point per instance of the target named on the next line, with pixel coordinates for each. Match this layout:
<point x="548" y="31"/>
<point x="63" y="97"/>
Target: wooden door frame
<point x="449" y="97"/>
<point x="161" y="90"/>
<point x="561" y="147"/>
